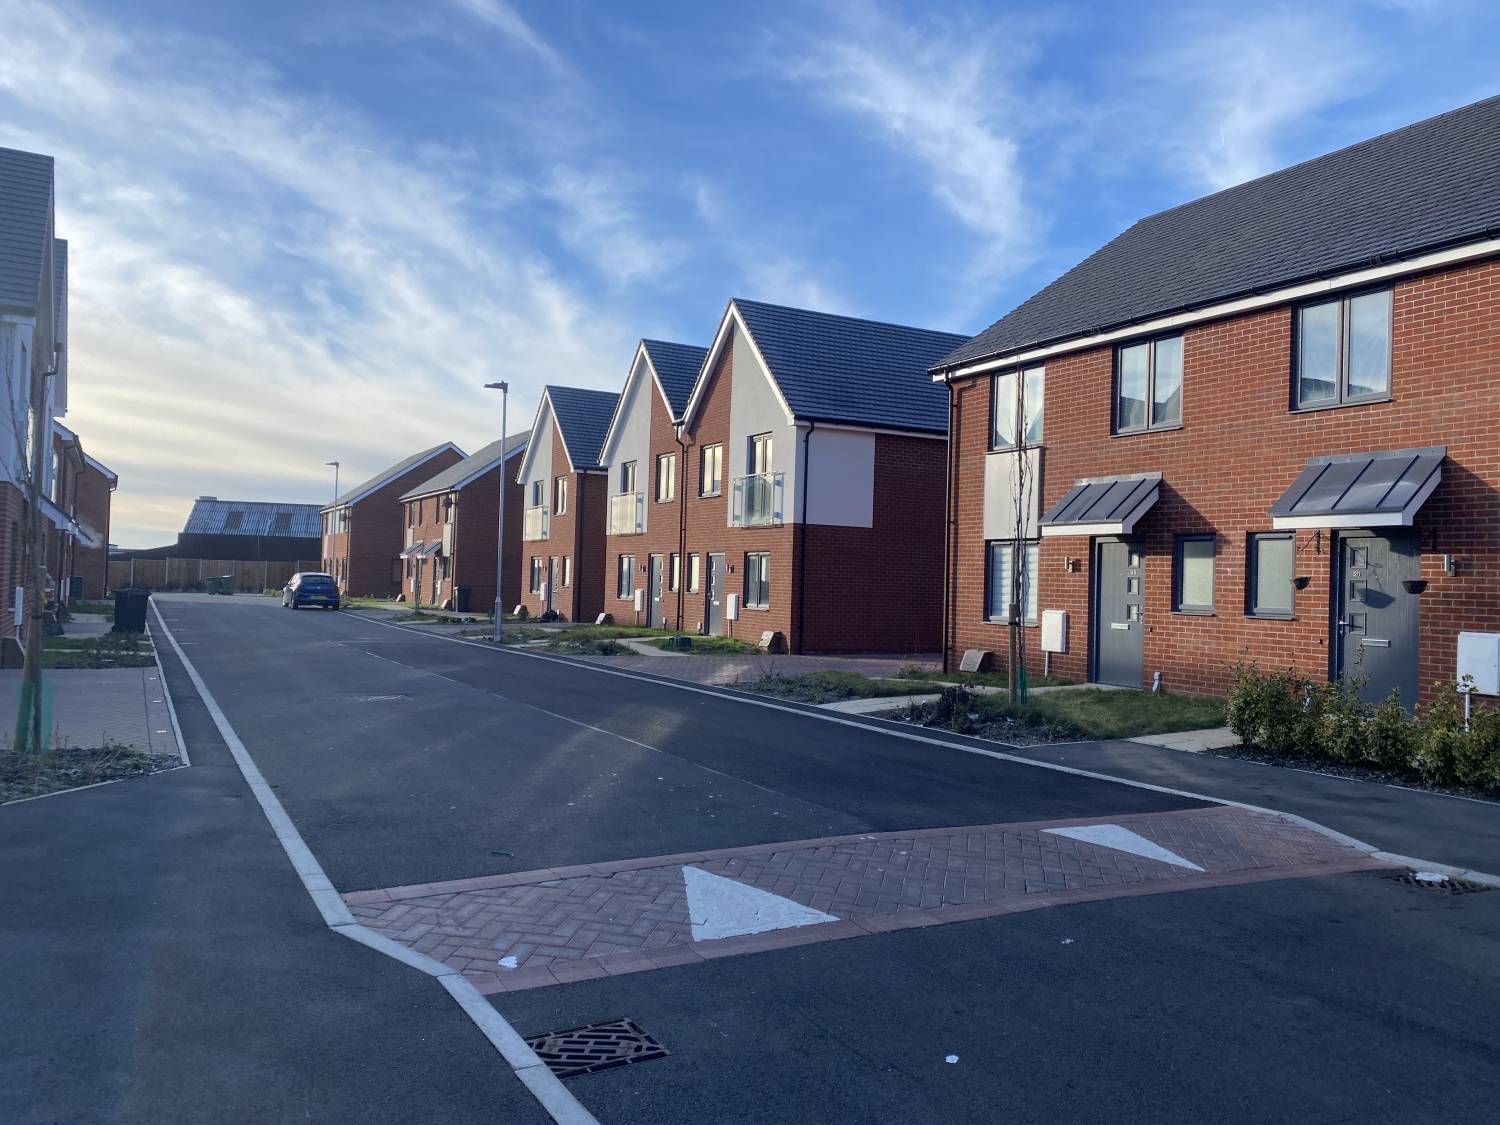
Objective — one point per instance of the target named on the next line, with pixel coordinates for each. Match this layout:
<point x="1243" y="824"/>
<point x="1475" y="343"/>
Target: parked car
<point x="308" y="587"/>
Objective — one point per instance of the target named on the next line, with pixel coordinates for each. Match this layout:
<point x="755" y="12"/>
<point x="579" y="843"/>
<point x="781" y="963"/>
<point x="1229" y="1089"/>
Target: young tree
<point x="1022" y="485"/>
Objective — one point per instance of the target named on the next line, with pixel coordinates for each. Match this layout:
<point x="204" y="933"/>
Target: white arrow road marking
<point x="1123" y="840"/>
<point x="720" y="908"/>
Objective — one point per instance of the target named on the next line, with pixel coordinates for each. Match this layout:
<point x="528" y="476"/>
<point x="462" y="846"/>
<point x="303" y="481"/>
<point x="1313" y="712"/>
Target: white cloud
<point x="601" y="226"/>
<point x="504" y="18"/>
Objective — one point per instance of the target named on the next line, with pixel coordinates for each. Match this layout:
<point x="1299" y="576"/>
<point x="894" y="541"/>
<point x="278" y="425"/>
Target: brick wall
<point x="1238" y="449"/>
<point x="475" y="514"/>
<point x="93" y="512"/>
<point x="577" y="534"/>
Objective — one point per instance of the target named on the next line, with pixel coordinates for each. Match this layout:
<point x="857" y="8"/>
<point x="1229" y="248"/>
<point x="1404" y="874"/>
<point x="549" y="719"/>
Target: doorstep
<point x="1191" y="741"/>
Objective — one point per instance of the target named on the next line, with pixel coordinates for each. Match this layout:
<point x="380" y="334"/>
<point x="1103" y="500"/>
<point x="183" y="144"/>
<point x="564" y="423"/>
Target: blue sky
<point x="302" y="235"/>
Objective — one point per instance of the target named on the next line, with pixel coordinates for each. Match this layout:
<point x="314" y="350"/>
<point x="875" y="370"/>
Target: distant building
<point x="244" y="530"/>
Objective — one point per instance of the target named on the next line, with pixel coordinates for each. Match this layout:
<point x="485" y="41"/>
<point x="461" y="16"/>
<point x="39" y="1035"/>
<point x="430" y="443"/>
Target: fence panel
<point x="250" y="576"/>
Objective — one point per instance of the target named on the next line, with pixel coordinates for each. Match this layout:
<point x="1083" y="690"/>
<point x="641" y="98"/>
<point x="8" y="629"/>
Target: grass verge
<point x="704" y="646"/>
<point x="110" y="650"/>
<point x="67" y="767"/>
<point x="105" y="609"/>
<point x="979" y="679"/>
<point x="829" y="687"/>
<point x="1066" y="716"/>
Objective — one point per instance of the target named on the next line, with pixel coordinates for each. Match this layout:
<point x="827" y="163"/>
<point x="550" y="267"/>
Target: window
<point x="282" y="524"/>
<point x="1018" y="400"/>
<point x="626" y="584"/>
<point x="693" y="573"/>
<point x="410" y="508"/>
<point x="627" y="477"/>
<point x="1268" y="590"/>
<point x="674" y="573"/>
<point x="534" y="582"/>
<point x="560" y="496"/>
<point x="537" y="498"/>
<point x="232" y="520"/>
<point x="666" y="477"/>
<point x="757" y="580"/>
<point x="567" y="571"/>
<point x="448" y="509"/>
<point x="1148" y="385"/>
<point x="710" y="470"/>
<point x="997" y="607"/>
<point x="1193" y="580"/>
<point x="1343" y="350"/>
<point x="760" y="454"/>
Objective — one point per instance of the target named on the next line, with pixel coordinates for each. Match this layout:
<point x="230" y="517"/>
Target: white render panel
<point x="755" y="409"/>
<point x="631" y="440"/>
<point x="841" y="478"/>
<point x="1002" y="480"/>
<point x="539" y="460"/>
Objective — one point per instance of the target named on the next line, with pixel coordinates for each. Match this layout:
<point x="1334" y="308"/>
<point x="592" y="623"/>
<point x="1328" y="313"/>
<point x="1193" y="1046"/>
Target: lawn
<point x="111" y="650"/>
<point x="104" y="608"/>
<point x="1087" y="713"/>
<point x="828" y="687"/>
<point x="705" y="646"/>
<point x="981" y="679"/>
<point x="580" y="640"/>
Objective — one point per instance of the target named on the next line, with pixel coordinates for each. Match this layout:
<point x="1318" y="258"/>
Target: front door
<point x="1119" y="633"/>
<point x="552" y="583"/>
<point x="1375" y="633"/>
<point x="715" y="624"/>
<point x="656" y="616"/>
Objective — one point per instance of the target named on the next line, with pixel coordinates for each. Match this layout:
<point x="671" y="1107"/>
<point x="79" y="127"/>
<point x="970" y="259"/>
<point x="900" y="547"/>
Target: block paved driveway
<point x="412" y="763"/>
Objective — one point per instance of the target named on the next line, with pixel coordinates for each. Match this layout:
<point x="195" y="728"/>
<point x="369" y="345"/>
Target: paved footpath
<point x="560" y="797"/>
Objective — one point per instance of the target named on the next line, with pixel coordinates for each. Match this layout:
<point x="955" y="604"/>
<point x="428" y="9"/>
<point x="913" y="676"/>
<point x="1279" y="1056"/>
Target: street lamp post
<point x="335" y="465"/>
<point x="504" y="389"/>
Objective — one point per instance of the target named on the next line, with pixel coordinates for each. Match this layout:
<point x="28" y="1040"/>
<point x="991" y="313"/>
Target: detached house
<point x="452" y="525"/>
<point x="1272" y="428"/>
<point x="363" y="534"/>
<point x="645" y="460"/>
<point x="815" y="448"/>
<point x="563" y="486"/>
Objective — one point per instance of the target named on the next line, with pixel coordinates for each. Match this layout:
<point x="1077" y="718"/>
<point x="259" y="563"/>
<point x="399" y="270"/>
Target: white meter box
<point x="1054" y="630"/>
<point x="1479" y="657"/>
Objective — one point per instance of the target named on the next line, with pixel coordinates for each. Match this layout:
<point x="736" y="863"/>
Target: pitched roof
<point x="25" y="225"/>
<point x="1410" y="191"/>
<point x="472" y="467"/>
<point x="212" y="516"/>
<point x="842" y="369"/>
<point x="677" y="367"/>
<point x="582" y="417"/>
<point x="405" y="465"/>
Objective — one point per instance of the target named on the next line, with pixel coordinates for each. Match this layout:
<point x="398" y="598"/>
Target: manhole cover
<point x="595" y="1047"/>
<point x="380" y="698"/>
<point x="1432" y="882"/>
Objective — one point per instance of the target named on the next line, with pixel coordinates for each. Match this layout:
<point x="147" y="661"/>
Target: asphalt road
<point x="405" y="758"/>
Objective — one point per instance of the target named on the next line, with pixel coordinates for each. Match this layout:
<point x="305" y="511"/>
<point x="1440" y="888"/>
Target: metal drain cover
<point x="1437" y="884"/>
<point x="595" y="1047"/>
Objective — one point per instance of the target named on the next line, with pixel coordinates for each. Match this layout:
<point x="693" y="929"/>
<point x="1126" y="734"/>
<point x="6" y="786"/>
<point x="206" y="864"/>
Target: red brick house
<point x="563" y="488"/>
<point x="77" y="507"/>
<point x="363" y="534"/>
<point x="451" y="531"/>
<point x="645" y="458"/>
<point x="815" y="448"/>
<point x="95" y="492"/>
<point x="1272" y="429"/>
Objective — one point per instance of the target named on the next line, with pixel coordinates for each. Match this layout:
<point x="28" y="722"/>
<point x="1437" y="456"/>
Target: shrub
<point x="1393" y="736"/>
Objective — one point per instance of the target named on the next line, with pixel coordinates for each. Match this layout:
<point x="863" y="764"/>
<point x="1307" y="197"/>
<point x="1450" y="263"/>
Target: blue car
<point x="308" y="587"/>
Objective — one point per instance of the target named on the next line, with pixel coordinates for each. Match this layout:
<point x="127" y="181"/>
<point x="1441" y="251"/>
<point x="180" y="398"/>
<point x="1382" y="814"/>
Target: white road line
<point x="560" y="1105"/>
<point x="895" y="731"/>
<point x="161" y="674"/>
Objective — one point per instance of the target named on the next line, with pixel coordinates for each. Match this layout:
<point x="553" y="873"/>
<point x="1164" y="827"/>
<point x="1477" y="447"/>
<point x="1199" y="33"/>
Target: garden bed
<point x="62" y="768"/>
<point x="1406" y="779"/>
<point x="830" y="687"/>
<point x="108" y="650"/>
<point x="1085" y="714"/>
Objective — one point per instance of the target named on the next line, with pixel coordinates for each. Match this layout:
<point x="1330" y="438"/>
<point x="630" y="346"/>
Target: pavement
<point x="478" y="784"/>
<point x="95" y="706"/>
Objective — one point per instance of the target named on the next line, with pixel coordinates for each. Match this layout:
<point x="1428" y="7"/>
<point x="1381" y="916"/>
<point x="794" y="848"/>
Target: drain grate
<point x="595" y="1047"/>
<point x="1436" y="884"/>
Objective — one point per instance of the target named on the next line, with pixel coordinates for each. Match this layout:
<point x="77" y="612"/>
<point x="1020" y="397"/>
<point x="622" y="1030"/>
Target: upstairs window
<point x="1343" y="351"/>
<point x="1148" y="385"/>
<point x="1017" y="408"/>
<point x="627" y="478"/>
<point x="537" y="496"/>
<point x="666" y="478"/>
<point x="560" y="496"/>
<point x="758" y="455"/>
<point x="710" y="470"/>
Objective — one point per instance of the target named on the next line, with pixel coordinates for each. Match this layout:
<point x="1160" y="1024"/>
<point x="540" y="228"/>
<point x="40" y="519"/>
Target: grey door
<point x="656" y="617"/>
<point x="1119" y="633"/>
<point x="1375" y="633"/>
<point x="715" y="592"/>
<point x="552" y="582"/>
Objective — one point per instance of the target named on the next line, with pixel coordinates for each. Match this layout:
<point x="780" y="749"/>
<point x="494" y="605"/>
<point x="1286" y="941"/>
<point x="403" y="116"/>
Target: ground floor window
<point x="999" y="561"/>
<point x="534" y="578"/>
<point x="567" y="572"/>
<point x="1268" y="586"/>
<point x="757" y="580"/>
<point x="1193" y="574"/>
<point x="693" y="573"/>
<point x="675" y="573"/>
<point x="626" y="583"/>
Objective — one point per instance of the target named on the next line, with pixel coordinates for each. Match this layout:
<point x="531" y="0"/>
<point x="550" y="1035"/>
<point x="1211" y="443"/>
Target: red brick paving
<point x="594" y="920"/>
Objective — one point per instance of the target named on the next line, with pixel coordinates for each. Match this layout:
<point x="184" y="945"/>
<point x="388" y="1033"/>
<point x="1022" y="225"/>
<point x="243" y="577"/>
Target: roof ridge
<point x="846" y="317"/>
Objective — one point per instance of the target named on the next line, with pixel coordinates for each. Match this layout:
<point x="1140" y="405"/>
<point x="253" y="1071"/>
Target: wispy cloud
<point x="503" y="17"/>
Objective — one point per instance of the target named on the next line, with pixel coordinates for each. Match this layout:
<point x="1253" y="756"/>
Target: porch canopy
<point x="1103" y="505"/>
<point x="432" y="547"/>
<point x="1360" y="490"/>
<point x="414" y="549"/>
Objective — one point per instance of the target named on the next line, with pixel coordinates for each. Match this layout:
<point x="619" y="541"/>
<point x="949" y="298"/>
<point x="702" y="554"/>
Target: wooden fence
<point x="192" y="574"/>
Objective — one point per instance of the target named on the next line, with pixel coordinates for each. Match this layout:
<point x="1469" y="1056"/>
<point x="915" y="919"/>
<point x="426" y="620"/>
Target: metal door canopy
<point x="1103" y="505"/>
<point x="1360" y="490"/>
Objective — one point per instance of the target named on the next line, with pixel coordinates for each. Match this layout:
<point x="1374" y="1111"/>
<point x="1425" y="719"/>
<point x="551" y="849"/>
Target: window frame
<point x="1116" y="430"/>
<point x="534" y="575"/>
<point x="666" y="473"/>
<point x="559" y="496"/>
<point x="625" y="578"/>
<point x="630" y="478"/>
<point x="674" y="572"/>
<point x="1178" y="543"/>
<point x="695" y="572"/>
<point x="761" y="573"/>
<point x="1018" y="411"/>
<point x="567" y="571"/>
<point x="1341" y="370"/>
<point x="717" y="448"/>
<point x="1252" y="583"/>
<point x="1033" y="549"/>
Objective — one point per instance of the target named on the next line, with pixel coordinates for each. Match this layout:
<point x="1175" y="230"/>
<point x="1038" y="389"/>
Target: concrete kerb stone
<point x="166" y="694"/>
<point x="899" y="730"/>
<point x="560" y="1105"/>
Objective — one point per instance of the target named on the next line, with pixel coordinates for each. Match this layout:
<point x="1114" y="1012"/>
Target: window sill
<point x="757" y="608"/>
<point x="1194" y="613"/>
<point x="1271" y="616"/>
<point x="1029" y="623"/>
<point x="710" y="495"/>
<point x="1316" y="408"/>
<point x="1148" y="430"/>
